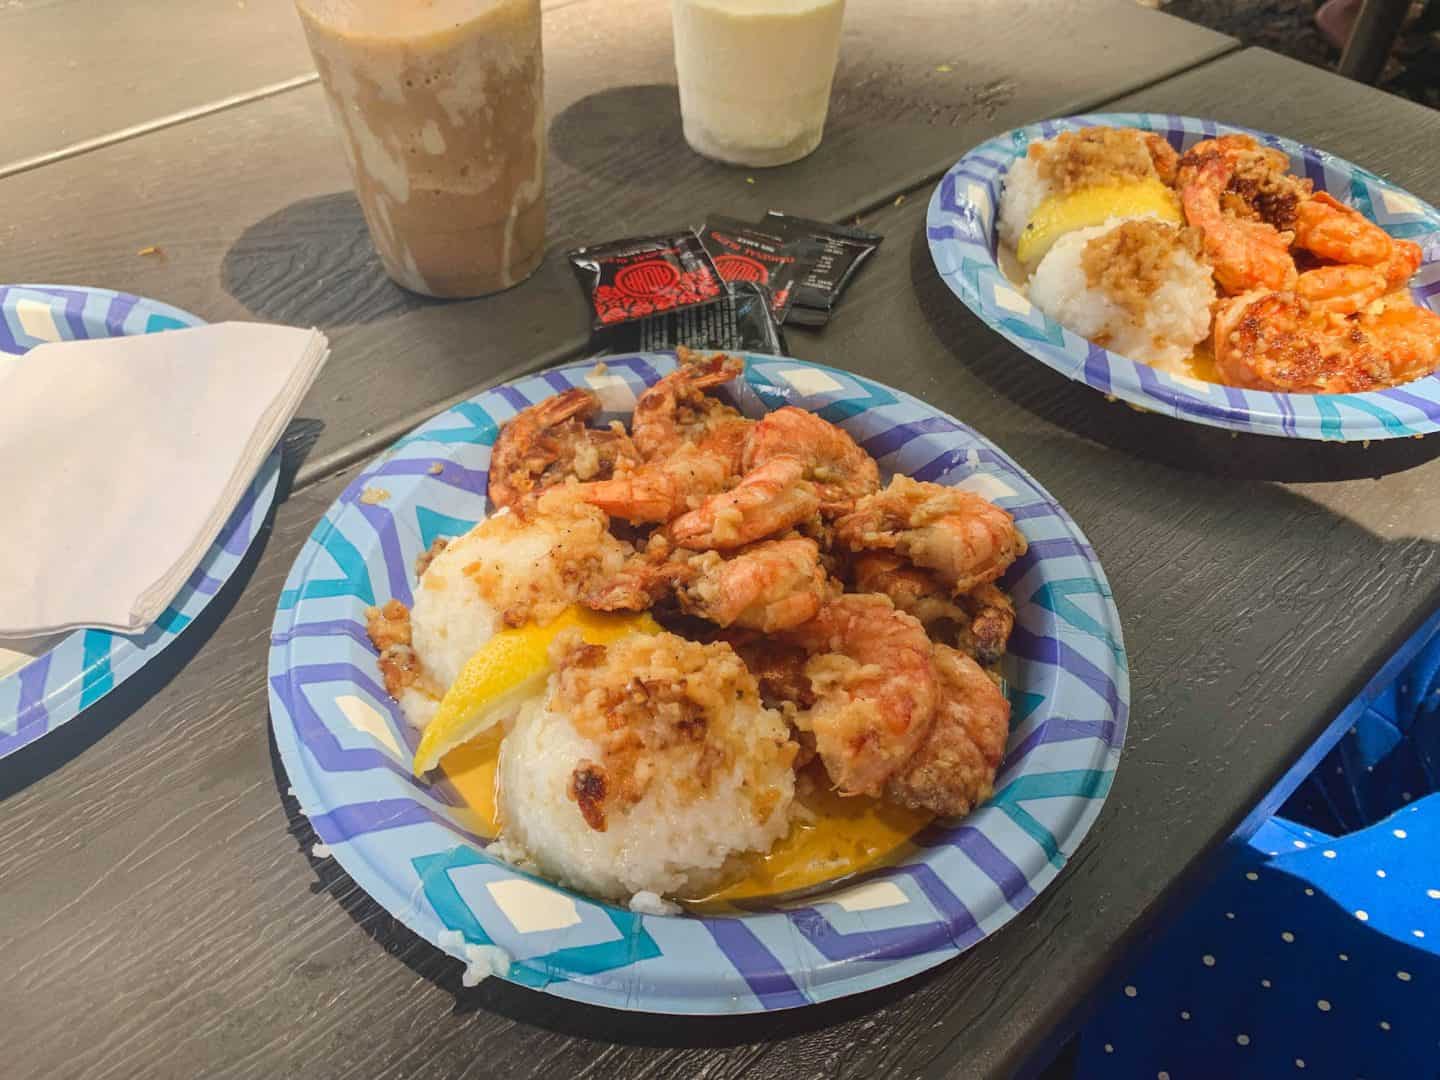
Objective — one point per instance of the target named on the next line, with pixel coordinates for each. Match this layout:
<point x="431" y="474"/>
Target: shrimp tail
<point x="768" y="500"/>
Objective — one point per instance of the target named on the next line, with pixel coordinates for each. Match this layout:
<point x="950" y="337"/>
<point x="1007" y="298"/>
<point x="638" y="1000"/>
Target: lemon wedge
<point x="1081" y="209"/>
<point x="509" y="668"/>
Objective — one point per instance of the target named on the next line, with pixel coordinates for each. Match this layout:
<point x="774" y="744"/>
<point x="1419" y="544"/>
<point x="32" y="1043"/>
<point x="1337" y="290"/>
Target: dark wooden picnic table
<point x="162" y="912"/>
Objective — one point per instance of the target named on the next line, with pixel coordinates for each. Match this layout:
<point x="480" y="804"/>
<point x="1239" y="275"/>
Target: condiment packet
<point x="844" y="249"/>
<point x="741" y="320"/>
<point x="631" y="279"/>
<point x="744" y="252"/>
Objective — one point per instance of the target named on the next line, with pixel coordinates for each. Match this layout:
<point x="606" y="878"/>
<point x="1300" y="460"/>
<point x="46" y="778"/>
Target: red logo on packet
<point x="741" y="268"/>
<point x="647" y="278"/>
<point x="635" y="278"/>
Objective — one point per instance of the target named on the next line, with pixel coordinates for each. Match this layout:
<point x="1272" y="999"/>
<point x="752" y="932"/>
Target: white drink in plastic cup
<point x="755" y="76"/>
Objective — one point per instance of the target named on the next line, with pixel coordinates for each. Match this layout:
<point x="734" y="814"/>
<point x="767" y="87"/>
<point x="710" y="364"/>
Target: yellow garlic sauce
<point x="472" y="769"/>
<point x="1201" y="364"/>
<point x="831" y="836"/>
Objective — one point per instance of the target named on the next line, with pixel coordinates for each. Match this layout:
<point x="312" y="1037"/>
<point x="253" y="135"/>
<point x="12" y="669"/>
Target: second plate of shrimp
<point x="1217" y="274"/>
<point x="707" y="683"/>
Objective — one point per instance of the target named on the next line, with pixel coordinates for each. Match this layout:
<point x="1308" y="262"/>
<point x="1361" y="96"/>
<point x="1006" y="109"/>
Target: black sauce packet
<point x="745" y="252"/>
<point x="741" y="320"/>
<point x="638" y="277"/>
<point x="843" y="250"/>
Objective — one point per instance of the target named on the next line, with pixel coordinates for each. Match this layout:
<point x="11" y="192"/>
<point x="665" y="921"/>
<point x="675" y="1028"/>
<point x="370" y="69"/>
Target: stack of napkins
<point x="121" y="458"/>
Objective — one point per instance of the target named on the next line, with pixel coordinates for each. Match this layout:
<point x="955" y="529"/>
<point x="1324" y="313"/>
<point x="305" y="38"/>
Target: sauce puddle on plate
<point x="471" y="769"/>
<point x="830" y="837"/>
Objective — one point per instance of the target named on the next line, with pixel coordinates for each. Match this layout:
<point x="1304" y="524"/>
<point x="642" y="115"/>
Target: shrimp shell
<point x="964" y="538"/>
<point x="992" y="620"/>
<point x="1327" y="227"/>
<point x="1244" y="254"/>
<point x="677" y="410"/>
<point x="774" y="585"/>
<point x="911" y="589"/>
<point x="1274" y="341"/>
<point x="768" y="500"/>
<point x="540" y="444"/>
<point x="985" y="615"/>
<point x="839" y="468"/>
<point x="874" y="687"/>
<point x="953" y="771"/>
<point x="656" y="492"/>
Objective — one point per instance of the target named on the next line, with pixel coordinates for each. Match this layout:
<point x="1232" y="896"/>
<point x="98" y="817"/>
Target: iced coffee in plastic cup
<point x="755" y="76"/>
<point x="441" y="112"/>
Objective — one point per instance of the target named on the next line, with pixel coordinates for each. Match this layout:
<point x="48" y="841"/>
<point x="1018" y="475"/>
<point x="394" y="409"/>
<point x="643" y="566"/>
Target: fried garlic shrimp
<point x="725" y="440"/>
<point x="953" y="771"/>
<point x="771" y="586"/>
<point x="1326" y="227"/>
<point x="1275" y="341"/>
<point x="644" y="580"/>
<point x="874" y="687"/>
<point x="1410" y="333"/>
<point x="768" y="500"/>
<point x="984" y="616"/>
<point x="841" y="471"/>
<point x="1260" y="186"/>
<point x="991" y="621"/>
<point x="549" y="443"/>
<point x="676" y="410"/>
<point x="659" y="490"/>
<point x="779" y="667"/>
<point x="1245" y="254"/>
<point x="911" y="589"/>
<point x="1341" y="290"/>
<point x="691" y="444"/>
<point x="964" y="539"/>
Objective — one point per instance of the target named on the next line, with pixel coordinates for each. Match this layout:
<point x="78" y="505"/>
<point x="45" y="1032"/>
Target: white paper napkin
<point x="121" y="458"/>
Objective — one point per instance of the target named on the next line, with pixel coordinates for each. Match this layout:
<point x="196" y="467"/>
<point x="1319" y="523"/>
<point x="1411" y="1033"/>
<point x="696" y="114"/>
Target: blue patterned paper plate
<point x="961" y="228"/>
<point x="86" y="665"/>
<point x="347" y="750"/>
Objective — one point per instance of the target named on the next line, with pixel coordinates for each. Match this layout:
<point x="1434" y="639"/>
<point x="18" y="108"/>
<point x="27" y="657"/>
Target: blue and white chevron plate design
<point x="86" y="665"/>
<point x="960" y="225"/>
<point x="347" y="749"/>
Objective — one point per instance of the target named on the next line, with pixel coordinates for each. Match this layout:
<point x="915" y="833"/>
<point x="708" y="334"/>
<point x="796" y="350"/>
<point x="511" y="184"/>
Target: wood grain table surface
<point x="85" y="73"/>
<point x="163" y="915"/>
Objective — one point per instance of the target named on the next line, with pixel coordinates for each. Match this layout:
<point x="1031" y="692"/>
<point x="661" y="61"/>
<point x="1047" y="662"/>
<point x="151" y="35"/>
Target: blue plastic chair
<point x="1315" y="951"/>
<point x="1390" y="757"/>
